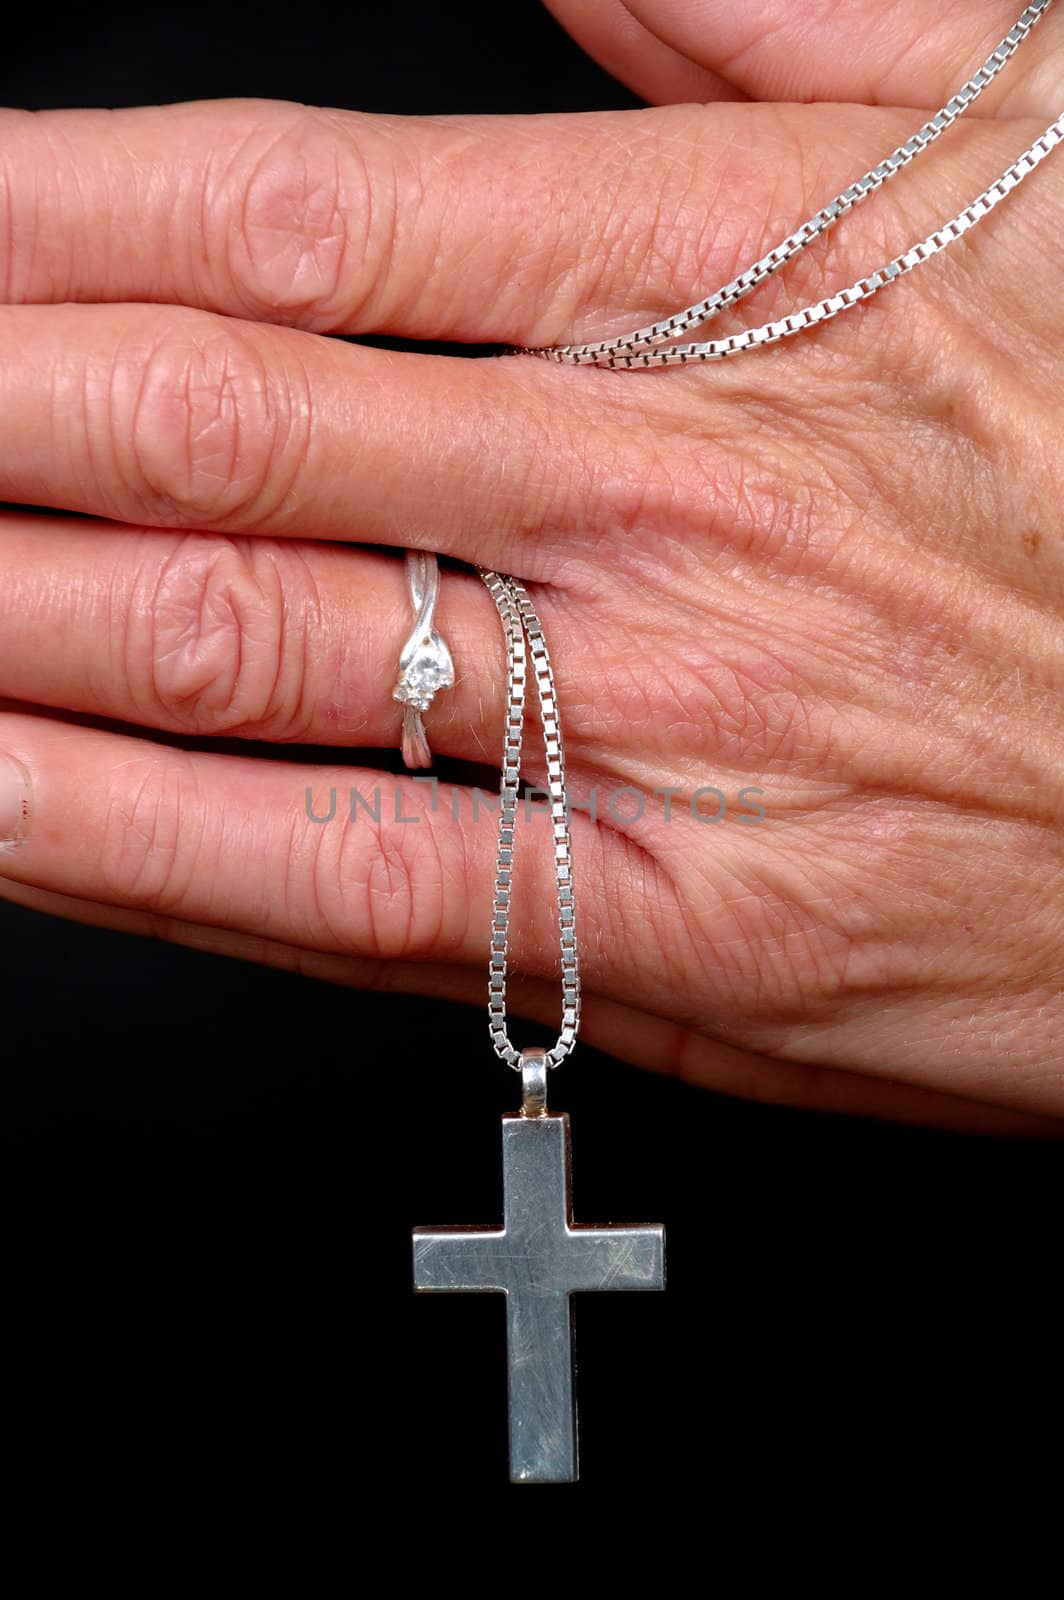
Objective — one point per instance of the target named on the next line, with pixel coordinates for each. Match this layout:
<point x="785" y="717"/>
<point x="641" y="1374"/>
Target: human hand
<point x="828" y="570"/>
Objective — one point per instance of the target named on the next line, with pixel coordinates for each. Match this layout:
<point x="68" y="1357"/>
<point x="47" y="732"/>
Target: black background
<point x="211" y="1170"/>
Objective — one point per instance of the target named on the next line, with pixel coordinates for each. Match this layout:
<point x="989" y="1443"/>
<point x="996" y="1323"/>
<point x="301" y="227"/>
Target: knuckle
<point x="811" y="939"/>
<point x="228" y="630"/>
<point x="296" y="210"/>
<point x="658" y="484"/>
<point x="738" y="478"/>
<point x="659" y="488"/>
<point x="380" y="885"/>
<point x="206" y="429"/>
<point x="153" y="832"/>
<point x="832" y="933"/>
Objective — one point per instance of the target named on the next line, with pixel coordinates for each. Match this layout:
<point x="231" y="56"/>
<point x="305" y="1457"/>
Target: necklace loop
<point x="533" y="1082"/>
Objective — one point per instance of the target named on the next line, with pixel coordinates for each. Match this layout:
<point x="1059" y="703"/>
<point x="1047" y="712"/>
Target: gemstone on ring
<point x="429" y="670"/>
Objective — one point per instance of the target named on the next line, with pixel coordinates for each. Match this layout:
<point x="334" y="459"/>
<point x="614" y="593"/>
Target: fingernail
<point x="14" y="800"/>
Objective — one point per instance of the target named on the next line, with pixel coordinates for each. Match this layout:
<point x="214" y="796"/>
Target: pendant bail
<point x="533" y="1082"/>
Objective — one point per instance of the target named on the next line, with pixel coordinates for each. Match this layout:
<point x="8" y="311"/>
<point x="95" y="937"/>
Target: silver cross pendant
<point x="537" y="1259"/>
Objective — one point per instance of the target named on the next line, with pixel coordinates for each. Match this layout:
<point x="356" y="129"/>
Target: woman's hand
<point x="830" y="571"/>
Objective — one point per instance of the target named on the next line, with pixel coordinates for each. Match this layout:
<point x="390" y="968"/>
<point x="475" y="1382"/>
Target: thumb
<point x="861" y="51"/>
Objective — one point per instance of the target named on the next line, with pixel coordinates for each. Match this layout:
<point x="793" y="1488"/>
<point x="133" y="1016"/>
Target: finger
<point x="619" y="42"/>
<point x="206" y="635"/>
<point x="181" y="418"/>
<point x="904" y="54"/>
<point x="498" y="229"/>
<point x="332" y="221"/>
<point x="340" y="860"/>
<point x="633" y="1036"/>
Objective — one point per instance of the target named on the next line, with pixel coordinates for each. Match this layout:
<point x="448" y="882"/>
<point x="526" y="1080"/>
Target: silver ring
<point x="425" y="664"/>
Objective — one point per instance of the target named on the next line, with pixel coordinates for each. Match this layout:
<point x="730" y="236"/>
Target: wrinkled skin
<point x="831" y="571"/>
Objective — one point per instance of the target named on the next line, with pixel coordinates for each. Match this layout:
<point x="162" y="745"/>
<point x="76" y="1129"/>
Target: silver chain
<point x="520" y="623"/>
<point x="633" y="349"/>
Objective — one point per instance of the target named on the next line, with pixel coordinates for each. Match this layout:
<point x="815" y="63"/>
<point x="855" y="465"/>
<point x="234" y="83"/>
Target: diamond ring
<point x="425" y="663"/>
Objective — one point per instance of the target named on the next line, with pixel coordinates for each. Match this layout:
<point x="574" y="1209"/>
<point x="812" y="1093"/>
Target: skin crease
<point x="829" y="571"/>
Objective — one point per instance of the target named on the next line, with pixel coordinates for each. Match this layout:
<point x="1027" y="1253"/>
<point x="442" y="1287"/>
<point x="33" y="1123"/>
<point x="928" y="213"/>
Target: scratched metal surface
<point x="538" y="1258"/>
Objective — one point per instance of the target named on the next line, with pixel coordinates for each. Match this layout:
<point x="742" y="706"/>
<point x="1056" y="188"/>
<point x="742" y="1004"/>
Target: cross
<point x="537" y="1259"/>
